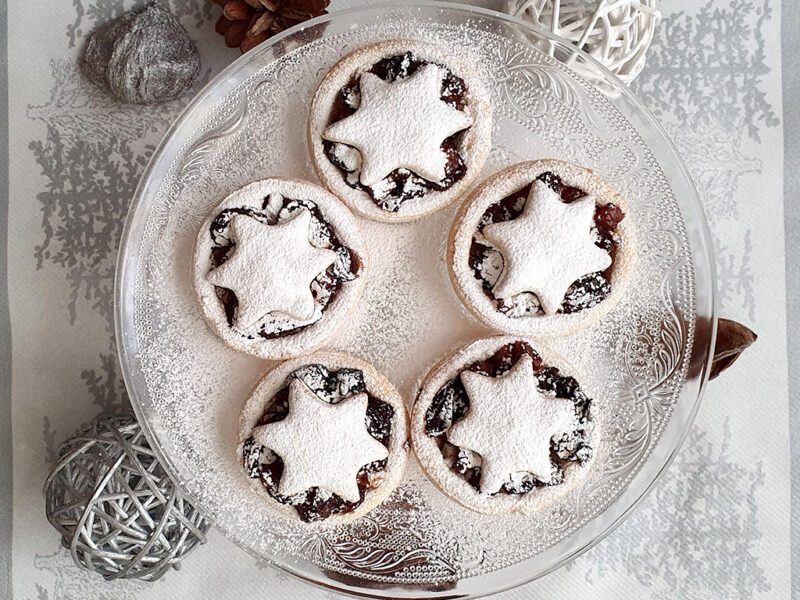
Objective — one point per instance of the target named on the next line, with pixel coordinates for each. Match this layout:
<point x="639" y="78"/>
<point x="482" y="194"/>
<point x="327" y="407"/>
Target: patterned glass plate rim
<point x="666" y="339"/>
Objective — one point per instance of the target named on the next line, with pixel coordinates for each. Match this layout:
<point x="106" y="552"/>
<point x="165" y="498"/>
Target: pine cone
<point x="247" y="23"/>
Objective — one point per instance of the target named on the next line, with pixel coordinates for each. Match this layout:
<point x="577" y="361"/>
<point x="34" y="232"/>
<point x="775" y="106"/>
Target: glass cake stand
<point x="649" y="358"/>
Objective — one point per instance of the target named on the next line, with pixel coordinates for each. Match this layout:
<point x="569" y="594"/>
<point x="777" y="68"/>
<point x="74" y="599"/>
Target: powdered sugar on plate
<point x="189" y="386"/>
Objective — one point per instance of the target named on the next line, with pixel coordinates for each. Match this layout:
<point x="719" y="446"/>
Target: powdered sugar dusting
<point x="501" y="409"/>
<point x="400" y="125"/>
<point x="540" y="232"/>
<point x="399" y="135"/>
<point x="408" y="317"/>
<point x="289" y="225"/>
<point x="547" y="247"/>
<point x="326" y="421"/>
<point x="316" y="435"/>
<point x="256" y="270"/>
<point x="511" y="423"/>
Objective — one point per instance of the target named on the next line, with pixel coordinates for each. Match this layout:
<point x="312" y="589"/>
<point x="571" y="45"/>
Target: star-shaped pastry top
<point x="400" y="125"/>
<point x="547" y="248"/>
<point x="321" y="444"/>
<point x="271" y="268"/>
<point x="510" y="424"/>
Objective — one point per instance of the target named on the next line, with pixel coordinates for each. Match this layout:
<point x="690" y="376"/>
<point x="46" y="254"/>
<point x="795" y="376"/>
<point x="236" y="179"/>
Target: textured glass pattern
<point x="644" y="363"/>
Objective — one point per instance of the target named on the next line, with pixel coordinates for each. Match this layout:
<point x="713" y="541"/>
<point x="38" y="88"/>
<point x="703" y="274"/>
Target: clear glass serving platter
<point x="649" y="358"/>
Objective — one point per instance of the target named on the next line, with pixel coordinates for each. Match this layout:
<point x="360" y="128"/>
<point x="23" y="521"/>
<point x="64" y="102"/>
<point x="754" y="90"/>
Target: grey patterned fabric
<point x="790" y="48"/>
<point x="716" y="526"/>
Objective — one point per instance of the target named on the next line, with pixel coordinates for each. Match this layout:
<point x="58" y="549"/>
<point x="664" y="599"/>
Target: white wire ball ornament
<point x="615" y="32"/>
<point x="117" y="510"/>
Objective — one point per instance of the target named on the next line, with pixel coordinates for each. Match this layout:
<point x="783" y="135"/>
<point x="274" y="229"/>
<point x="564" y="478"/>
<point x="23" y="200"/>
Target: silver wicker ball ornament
<point x="615" y="32"/>
<point x="117" y="510"/>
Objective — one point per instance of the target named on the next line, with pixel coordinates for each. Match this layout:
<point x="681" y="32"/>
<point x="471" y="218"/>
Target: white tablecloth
<point x="716" y="526"/>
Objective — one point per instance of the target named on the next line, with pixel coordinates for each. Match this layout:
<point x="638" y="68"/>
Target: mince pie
<point x="400" y="129"/>
<point x="503" y="426"/>
<point x="324" y="438"/>
<point x="278" y="265"/>
<point x="543" y="247"/>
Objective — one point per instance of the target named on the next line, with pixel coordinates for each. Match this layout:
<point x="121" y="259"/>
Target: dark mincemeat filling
<point x="404" y="185"/>
<point x="451" y="403"/>
<point x="586" y="292"/>
<point x="347" y="268"/>
<point x="331" y="386"/>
